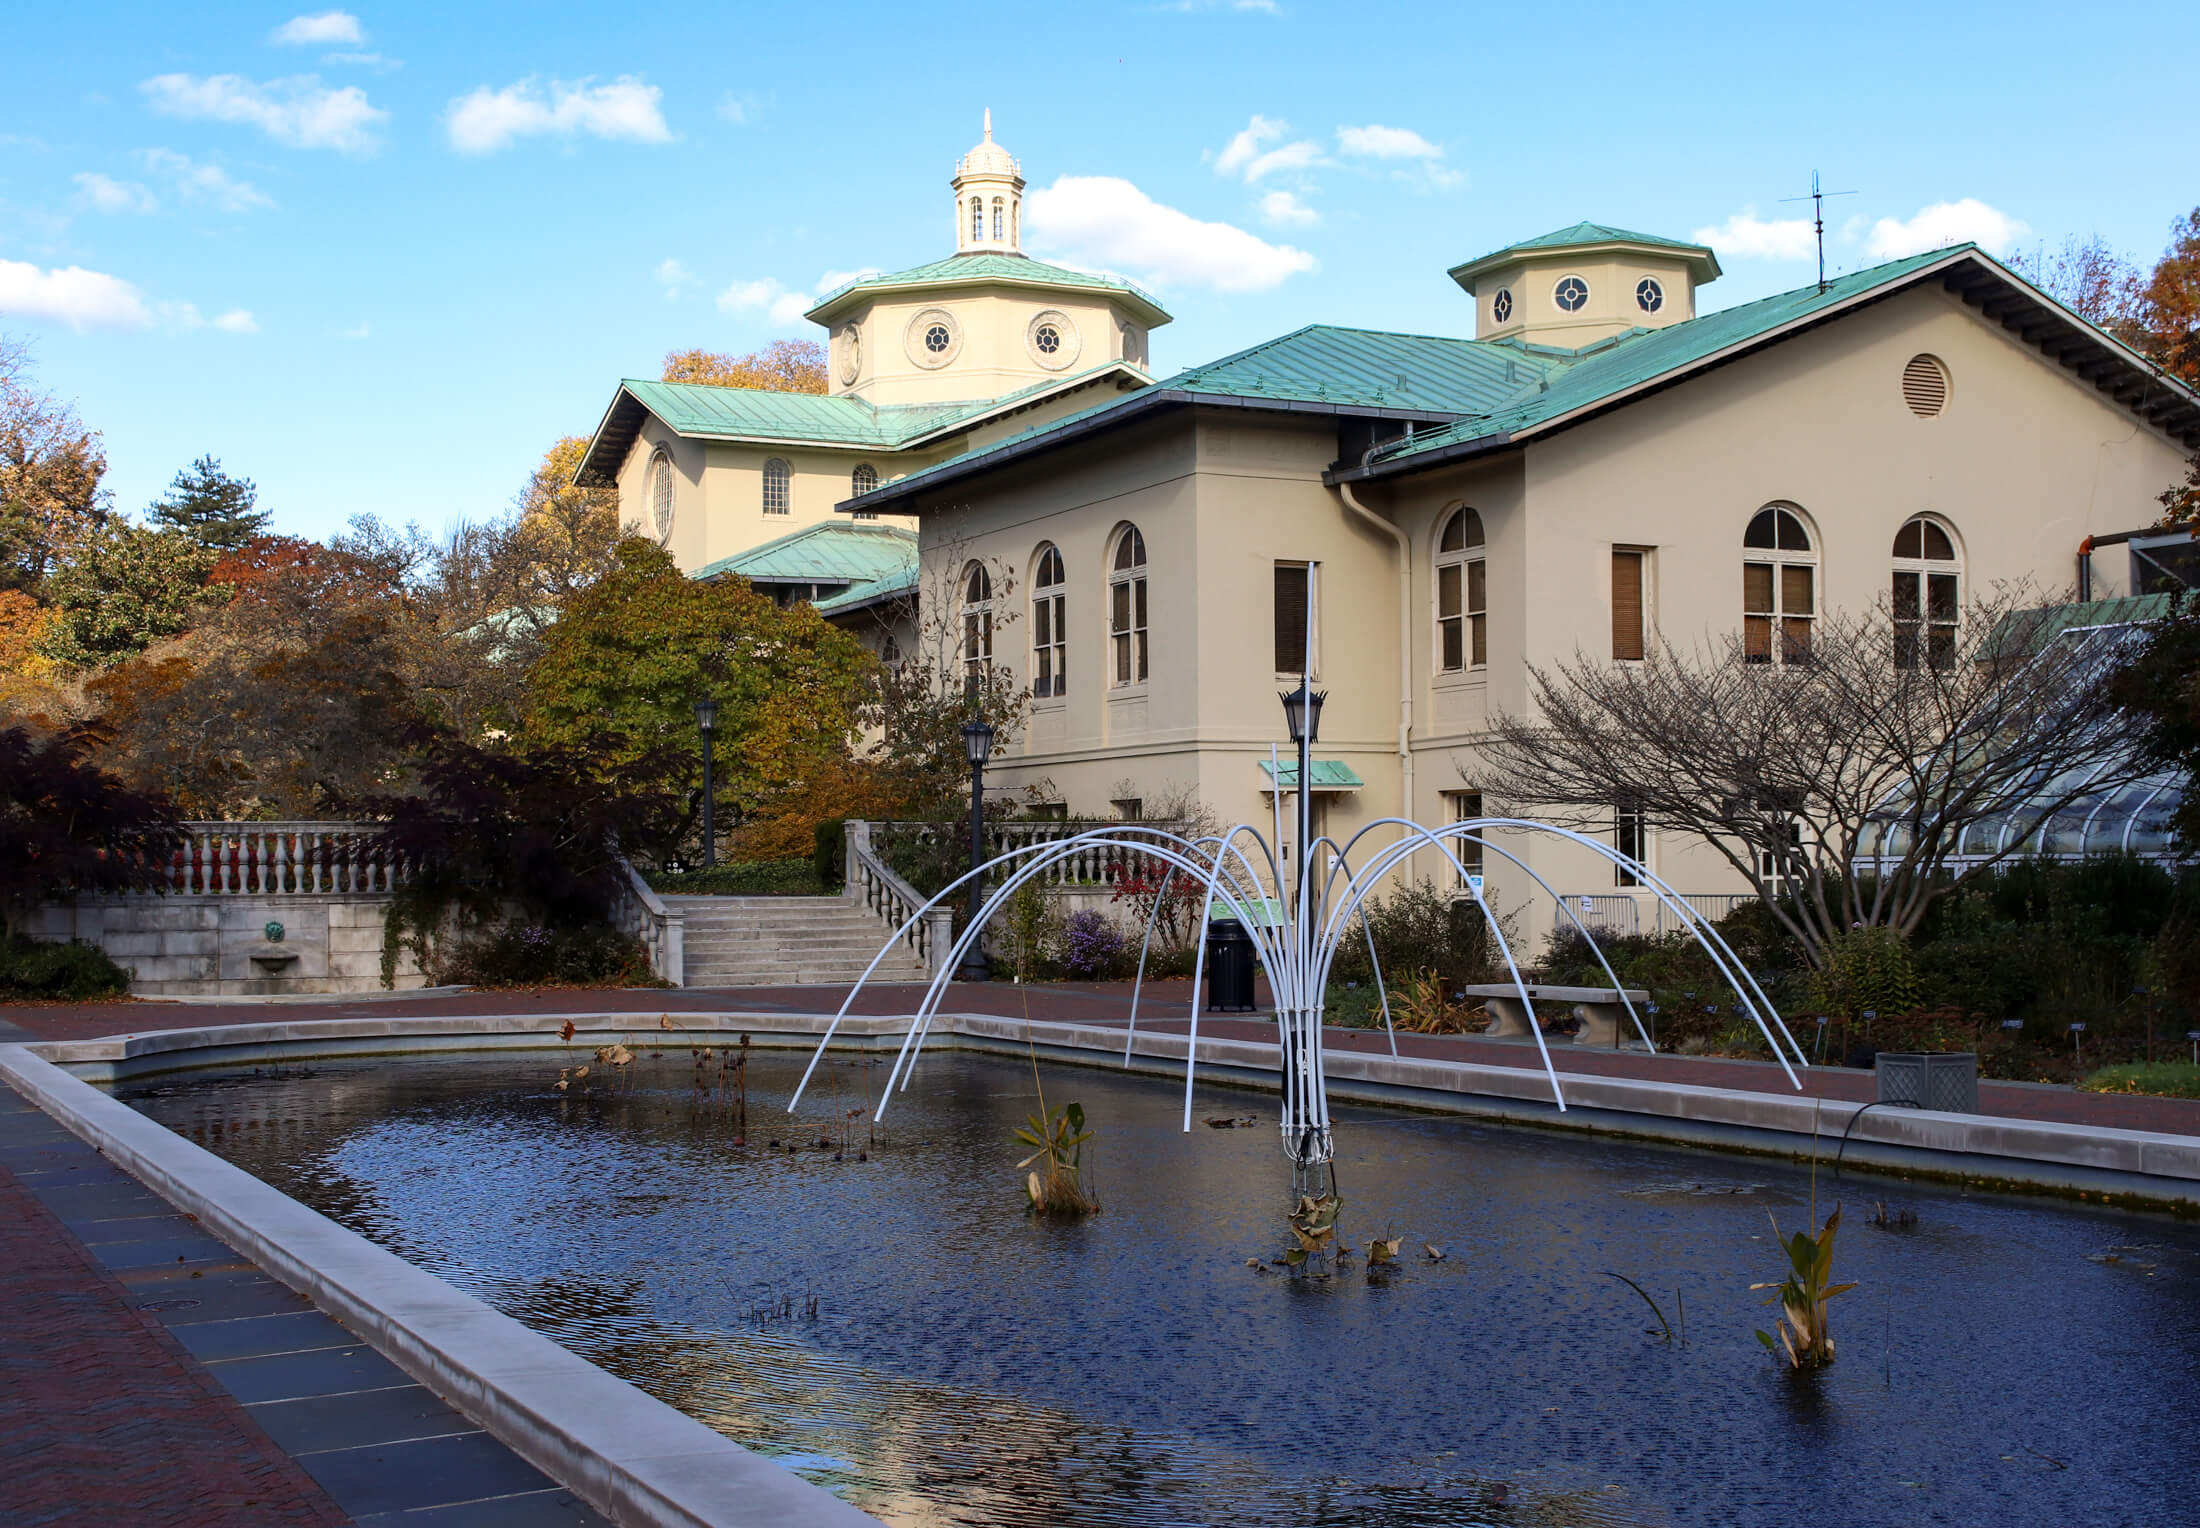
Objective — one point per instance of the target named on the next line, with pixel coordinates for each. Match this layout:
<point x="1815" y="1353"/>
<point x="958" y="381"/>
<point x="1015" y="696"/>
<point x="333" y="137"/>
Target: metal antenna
<point x="1817" y="200"/>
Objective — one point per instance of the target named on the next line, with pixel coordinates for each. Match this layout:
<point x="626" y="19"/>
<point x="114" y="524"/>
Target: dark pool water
<point x="2006" y="1361"/>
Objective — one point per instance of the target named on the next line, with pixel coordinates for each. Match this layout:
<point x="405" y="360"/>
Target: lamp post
<point x="977" y="747"/>
<point x="706" y="722"/>
<point x="1302" y="713"/>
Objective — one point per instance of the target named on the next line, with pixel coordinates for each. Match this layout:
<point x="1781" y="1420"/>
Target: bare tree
<point x="1837" y="779"/>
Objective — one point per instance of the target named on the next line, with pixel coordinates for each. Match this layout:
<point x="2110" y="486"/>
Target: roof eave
<point x="1700" y="257"/>
<point x="1142" y="307"/>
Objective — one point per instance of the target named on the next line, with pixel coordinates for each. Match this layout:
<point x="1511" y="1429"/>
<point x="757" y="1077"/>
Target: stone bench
<point x="1599" y="1008"/>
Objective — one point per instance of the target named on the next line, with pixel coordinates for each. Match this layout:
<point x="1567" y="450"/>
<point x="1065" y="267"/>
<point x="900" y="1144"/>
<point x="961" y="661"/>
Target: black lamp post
<point x="706" y="722"/>
<point x="977" y="747"/>
<point x="1302" y="713"/>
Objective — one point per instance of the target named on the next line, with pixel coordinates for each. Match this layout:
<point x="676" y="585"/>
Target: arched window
<point x="1928" y="594"/>
<point x="977" y="218"/>
<point x="977" y="625"/>
<point x="1000" y="219"/>
<point x="778" y="481"/>
<point x="1049" y="627"/>
<point x="660" y="494"/>
<point x="860" y="482"/>
<point x="1127" y="608"/>
<point x="1779" y="587"/>
<point x="1462" y="595"/>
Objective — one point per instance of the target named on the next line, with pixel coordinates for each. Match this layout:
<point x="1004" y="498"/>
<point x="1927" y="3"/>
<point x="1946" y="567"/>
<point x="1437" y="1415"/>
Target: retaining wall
<point x="190" y="945"/>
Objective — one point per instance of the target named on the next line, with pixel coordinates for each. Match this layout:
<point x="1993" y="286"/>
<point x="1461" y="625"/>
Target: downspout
<point x="1405" y="644"/>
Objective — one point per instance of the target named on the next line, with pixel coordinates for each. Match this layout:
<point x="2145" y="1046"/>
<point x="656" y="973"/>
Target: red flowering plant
<point x="1170" y="901"/>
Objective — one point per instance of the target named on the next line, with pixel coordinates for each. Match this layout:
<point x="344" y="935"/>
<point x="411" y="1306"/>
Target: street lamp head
<point x="978" y="741"/>
<point x="1302" y="711"/>
<point x="706" y="715"/>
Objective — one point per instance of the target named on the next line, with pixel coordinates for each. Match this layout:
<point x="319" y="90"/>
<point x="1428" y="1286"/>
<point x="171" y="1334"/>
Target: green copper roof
<point x="830" y="553"/>
<point x="973" y="269"/>
<point x="1329" y="775"/>
<point x="698" y="408"/>
<point x="1601" y="371"/>
<point x="1371" y="368"/>
<point x="897" y="584"/>
<point x="1591" y="234"/>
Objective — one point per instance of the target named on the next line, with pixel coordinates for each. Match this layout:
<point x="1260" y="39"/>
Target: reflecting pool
<point x="2003" y="1360"/>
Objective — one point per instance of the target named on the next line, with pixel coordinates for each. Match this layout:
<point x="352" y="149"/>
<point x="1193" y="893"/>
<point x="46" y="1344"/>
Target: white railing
<point x="893" y="900"/>
<point x="1097" y="865"/>
<point x="639" y="911"/>
<point x="1711" y="905"/>
<point x="1608" y="914"/>
<point x="256" y="859"/>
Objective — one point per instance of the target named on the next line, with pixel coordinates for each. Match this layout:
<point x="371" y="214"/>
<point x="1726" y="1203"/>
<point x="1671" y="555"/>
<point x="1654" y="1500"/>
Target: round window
<point x="937" y="339"/>
<point x="1502" y="308"/>
<point x="1571" y="294"/>
<point x="1649" y="296"/>
<point x="1048" y="339"/>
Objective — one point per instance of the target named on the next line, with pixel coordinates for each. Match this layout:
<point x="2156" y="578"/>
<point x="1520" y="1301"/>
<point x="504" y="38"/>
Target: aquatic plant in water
<point x="1803" y="1295"/>
<point x="1314" y="1227"/>
<point x="1060" y="1136"/>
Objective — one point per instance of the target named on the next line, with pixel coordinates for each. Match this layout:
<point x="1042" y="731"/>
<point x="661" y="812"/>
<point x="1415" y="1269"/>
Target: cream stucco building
<point x="1592" y="462"/>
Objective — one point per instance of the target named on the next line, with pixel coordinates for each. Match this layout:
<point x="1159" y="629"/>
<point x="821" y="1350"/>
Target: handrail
<point x="663" y="932"/>
<point x="893" y="901"/>
<point x="294" y="858"/>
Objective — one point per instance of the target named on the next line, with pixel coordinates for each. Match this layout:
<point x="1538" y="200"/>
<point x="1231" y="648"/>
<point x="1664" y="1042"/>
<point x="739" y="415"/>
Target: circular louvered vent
<point x="1925" y="386"/>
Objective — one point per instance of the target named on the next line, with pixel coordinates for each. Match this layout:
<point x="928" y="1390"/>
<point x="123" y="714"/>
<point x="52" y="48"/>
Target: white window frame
<point x="1630" y="822"/>
<point x="1920" y="573"/>
<point x="1049" y="625"/>
<point x="1465" y="806"/>
<point x="776" y="470"/>
<point x="1468" y="567"/>
<point x="1779" y="617"/>
<point x="975" y="589"/>
<point x="1129" y="643"/>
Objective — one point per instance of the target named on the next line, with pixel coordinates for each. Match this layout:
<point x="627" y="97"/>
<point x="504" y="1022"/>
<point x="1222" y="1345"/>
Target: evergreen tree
<point x="211" y="507"/>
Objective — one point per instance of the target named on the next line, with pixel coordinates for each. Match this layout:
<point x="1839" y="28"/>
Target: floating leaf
<point x="565" y="1030"/>
<point x="1435" y="1253"/>
<point x="1380" y="1252"/>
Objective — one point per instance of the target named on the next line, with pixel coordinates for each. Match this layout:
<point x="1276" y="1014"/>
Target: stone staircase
<point x="784" y="941"/>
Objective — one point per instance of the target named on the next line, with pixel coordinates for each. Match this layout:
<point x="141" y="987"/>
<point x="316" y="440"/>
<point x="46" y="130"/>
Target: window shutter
<point x="1627" y="633"/>
<point x="1290" y="616"/>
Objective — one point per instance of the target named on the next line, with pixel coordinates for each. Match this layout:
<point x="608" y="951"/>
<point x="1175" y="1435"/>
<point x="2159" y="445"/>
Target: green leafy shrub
<point x="1866" y="970"/>
<point x="746" y="878"/>
<point x="532" y="955"/>
<point x="72" y="972"/>
<point x="1422" y="928"/>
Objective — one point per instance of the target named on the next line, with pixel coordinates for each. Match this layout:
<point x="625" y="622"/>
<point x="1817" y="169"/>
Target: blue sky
<point x="378" y="258"/>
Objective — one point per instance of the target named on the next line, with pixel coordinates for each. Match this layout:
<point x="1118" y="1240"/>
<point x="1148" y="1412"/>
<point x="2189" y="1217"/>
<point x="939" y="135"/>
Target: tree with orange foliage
<point x="783" y="366"/>
<point x="50" y="471"/>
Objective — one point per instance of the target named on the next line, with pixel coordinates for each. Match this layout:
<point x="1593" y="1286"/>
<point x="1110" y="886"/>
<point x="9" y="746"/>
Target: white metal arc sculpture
<point x="1297" y="948"/>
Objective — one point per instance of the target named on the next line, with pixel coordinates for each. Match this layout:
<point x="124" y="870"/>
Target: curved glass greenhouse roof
<point x="2126" y="815"/>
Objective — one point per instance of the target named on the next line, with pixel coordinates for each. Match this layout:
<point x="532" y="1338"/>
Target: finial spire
<point x="989" y="124"/>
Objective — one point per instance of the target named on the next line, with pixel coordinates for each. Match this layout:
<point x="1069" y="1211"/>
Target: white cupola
<point x="989" y="197"/>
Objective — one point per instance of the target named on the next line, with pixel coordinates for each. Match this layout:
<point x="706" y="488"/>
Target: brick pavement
<point x="151" y="1376"/>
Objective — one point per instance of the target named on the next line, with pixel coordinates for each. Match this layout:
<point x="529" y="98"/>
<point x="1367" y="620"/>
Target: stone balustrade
<point x="247" y="859"/>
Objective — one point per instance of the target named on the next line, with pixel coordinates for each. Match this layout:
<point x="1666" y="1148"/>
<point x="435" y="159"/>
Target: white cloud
<point x="237" y="321"/>
<point x="106" y="194"/>
<point x="1969" y="221"/>
<point x="1107" y="222"/>
<point x="322" y="30"/>
<point x="1249" y="153"/>
<point x="488" y="120"/>
<point x="767" y="296"/>
<point x="71" y="295"/>
<point x="833" y="281"/>
<point x="357" y="332"/>
<point x="1283" y="209"/>
<point x="1748" y="237"/>
<point x="733" y="108"/>
<point x="205" y="182"/>
<point x="675" y="278"/>
<point x="1376" y="141"/>
<point x="299" y="111"/>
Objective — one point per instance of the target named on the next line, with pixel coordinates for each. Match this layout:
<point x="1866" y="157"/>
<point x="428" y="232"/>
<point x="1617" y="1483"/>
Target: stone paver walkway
<point x="149" y="1375"/>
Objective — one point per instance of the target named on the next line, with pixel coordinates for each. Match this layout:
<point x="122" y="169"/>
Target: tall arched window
<point x="1462" y="595"/>
<point x="1928" y="594"/>
<point x="1049" y="628"/>
<point x="1127" y="608"/>
<point x="1779" y="586"/>
<point x="778" y="483"/>
<point x="1000" y="219"/>
<point x="977" y="217"/>
<point x="977" y="625"/>
<point x="660" y="494"/>
<point x="860" y="482"/>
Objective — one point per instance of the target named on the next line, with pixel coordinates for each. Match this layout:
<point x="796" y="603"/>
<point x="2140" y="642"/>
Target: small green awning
<point x="1253" y="912"/>
<point x="1329" y="775"/>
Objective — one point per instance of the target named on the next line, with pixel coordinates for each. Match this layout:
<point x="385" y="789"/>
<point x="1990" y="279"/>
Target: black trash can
<point x="1230" y="963"/>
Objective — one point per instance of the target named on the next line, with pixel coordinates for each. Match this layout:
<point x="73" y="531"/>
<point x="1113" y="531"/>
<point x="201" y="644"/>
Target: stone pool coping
<point x="2143" y="1167"/>
<point x="625" y="1452"/>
